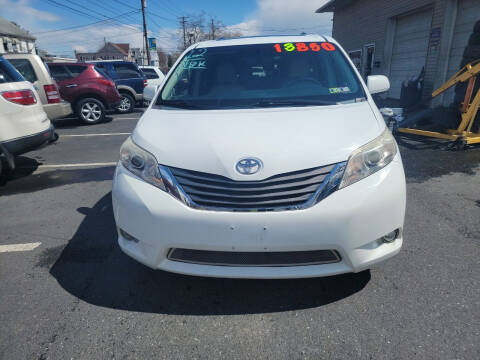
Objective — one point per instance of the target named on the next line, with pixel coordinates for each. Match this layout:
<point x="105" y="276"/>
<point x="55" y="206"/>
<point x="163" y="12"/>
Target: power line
<point x="166" y="8"/>
<point x="109" y="9"/>
<point x="86" y="8"/>
<point x="80" y="12"/>
<point x="105" y="21"/>
<point x="162" y="17"/>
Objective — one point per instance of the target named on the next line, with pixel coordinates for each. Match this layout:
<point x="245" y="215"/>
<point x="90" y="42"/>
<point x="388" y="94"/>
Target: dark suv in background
<point x="87" y="88"/>
<point x="129" y="79"/>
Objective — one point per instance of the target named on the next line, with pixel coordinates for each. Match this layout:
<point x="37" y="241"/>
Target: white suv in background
<point x="262" y="157"/>
<point x="33" y="69"/>
<point x="154" y="79"/>
<point x="24" y="124"/>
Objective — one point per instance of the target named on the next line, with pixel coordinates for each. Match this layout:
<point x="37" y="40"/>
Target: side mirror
<point x="377" y="84"/>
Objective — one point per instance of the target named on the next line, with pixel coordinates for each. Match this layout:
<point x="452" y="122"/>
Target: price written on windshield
<point x="304" y="47"/>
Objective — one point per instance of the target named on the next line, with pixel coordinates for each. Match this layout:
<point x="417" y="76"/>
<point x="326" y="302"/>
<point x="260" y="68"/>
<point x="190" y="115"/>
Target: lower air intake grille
<point x="283" y="191"/>
<point x="227" y="258"/>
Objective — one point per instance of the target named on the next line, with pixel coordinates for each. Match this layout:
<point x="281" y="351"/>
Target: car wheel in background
<point x="90" y="110"/>
<point x="127" y="104"/>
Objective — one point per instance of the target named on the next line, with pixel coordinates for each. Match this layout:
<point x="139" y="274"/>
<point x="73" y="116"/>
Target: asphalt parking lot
<point x="68" y="292"/>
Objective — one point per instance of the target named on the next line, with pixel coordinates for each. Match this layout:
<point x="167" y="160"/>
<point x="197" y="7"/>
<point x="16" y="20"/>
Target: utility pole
<point x="212" y="26"/>
<point x="145" y="31"/>
<point x="183" y="21"/>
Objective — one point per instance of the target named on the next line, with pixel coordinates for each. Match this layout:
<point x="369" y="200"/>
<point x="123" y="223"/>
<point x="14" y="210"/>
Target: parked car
<point x="262" y="157"/>
<point x="129" y="79"/>
<point x="154" y="79"/>
<point x="33" y="69"/>
<point x="153" y="74"/>
<point x="24" y="124"/>
<point x="90" y="91"/>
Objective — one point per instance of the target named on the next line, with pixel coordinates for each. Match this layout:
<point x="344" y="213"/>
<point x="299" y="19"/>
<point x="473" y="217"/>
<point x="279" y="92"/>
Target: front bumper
<point x="350" y="221"/>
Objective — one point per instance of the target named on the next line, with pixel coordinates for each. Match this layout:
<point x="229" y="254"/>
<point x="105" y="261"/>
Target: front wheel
<point x="127" y="104"/>
<point x="90" y="111"/>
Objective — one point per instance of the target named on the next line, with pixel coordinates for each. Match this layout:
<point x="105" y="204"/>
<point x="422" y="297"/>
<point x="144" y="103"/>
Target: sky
<point x="60" y="25"/>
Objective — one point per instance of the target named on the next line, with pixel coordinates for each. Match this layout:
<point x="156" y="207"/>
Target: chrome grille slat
<point x="281" y="191"/>
<point x="191" y="187"/>
<point x="276" y="179"/>
<point x="289" y="202"/>
<point x="198" y="190"/>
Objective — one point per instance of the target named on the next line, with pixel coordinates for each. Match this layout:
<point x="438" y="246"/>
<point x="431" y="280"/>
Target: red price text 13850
<point x="303" y="47"/>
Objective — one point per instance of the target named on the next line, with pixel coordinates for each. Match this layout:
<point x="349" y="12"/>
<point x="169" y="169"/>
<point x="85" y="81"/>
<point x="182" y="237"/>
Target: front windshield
<point x="261" y="75"/>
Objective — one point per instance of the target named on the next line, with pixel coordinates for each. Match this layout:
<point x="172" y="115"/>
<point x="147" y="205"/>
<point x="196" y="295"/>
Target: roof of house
<point x="12" y="29"/>
<point x="125" y="48"/>
<point x="333" y="5"/>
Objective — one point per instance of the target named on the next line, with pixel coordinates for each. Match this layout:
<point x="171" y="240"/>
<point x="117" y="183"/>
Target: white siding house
<point x="398" y="38"/>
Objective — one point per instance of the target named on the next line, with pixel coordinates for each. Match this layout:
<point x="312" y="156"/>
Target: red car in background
<point x="90" y="91"/>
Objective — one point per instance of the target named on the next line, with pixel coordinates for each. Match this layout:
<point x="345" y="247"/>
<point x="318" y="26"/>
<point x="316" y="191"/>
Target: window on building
<point x="25" y="68"/>
<point x="369" y="59"/>
<point x="356" y="56"/>
<point x="127" y="71"/>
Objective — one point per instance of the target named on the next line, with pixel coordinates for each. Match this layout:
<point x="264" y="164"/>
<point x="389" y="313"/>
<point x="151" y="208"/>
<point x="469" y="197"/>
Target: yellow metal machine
<point x="468" y="109"/>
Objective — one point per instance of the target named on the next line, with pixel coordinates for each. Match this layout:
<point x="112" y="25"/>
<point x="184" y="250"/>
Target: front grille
<point x="288" y="190"/>
<point x="227" y="258"/>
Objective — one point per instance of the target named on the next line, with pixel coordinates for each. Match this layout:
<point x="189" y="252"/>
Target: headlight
<point x="141" y="163"/>
<point x="369" y="158"/>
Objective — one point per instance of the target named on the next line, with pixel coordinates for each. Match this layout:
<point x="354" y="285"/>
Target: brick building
<point x="398" y="38"/>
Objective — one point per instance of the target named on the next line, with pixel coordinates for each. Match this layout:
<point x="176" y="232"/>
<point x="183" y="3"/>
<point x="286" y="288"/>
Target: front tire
<point x="127" y="104"/>
<point x="90" y="111"/>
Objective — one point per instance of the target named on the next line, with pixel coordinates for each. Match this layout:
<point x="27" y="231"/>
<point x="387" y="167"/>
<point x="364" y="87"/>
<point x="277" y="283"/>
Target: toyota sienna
<point x="261" y="157"/>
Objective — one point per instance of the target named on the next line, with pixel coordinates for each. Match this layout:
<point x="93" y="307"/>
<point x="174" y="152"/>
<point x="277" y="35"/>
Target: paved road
<point x="77" y="296"/>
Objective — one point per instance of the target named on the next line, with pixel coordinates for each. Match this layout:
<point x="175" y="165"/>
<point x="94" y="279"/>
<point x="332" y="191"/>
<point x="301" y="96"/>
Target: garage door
<point x="468" y="14"/>
<point x="410" y="46"/>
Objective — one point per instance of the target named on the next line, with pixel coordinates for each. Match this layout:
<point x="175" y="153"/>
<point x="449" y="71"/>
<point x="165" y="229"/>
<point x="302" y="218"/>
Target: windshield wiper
<point x="273" y="103"/>
<point x="178" y="104"/>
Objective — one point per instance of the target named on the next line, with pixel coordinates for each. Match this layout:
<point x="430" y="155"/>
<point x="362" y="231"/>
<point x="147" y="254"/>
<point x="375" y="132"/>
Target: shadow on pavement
<point x="25" y="167"/>
<point x="21" y="183"/>
<point x="93" y="268"/>
<point x="73" y="123"/>
<point x="426" y="158"/>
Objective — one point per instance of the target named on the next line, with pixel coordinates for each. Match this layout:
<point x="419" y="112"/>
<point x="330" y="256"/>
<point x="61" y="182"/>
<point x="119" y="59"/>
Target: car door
<point x="65" y="80"/>
<point x="128" y="74"/>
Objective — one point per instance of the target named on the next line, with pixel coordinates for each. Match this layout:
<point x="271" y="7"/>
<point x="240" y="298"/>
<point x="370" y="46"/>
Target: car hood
<point x="284" y="139"/>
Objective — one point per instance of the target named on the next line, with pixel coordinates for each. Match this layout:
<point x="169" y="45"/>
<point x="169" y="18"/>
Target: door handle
<point x="71" y="85"/>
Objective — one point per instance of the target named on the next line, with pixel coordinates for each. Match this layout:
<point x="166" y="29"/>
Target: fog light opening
<point x="390" y="237"/>
<point x="128" y="237"/>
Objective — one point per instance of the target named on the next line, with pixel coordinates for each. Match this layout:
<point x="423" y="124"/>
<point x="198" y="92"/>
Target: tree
<point x="194" y="29"/>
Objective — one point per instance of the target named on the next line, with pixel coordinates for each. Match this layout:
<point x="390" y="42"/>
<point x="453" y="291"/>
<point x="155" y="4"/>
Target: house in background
<point x="14" y="39"/>
<point x="110" y="51"/>
<point x="398" y="38"/>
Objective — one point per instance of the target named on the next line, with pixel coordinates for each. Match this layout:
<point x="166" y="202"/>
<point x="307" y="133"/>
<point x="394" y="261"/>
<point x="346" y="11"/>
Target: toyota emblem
<point x="248" y="166"/>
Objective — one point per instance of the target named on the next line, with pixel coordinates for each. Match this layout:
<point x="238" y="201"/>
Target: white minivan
<point x="24" y="124"/>
<point x="262" y="157"/>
